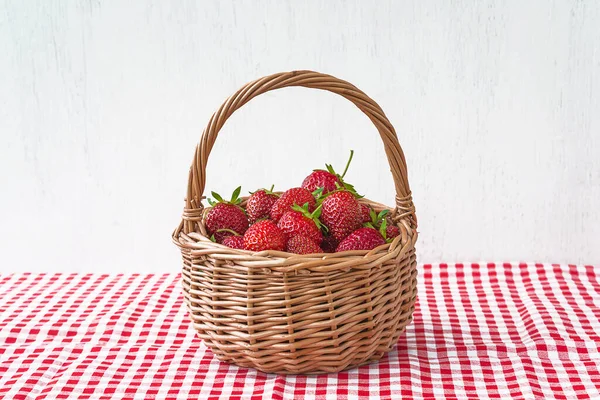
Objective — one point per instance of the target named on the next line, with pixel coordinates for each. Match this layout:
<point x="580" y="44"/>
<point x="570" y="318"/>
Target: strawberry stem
<point x="317" y="213"/>
<point x="318" y="194"/>
<point x="228" y="230"/>
<point x="348" y="164"/>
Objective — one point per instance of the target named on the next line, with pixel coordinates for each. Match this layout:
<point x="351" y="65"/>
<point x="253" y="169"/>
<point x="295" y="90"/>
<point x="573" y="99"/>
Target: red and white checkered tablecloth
<point x="479" y="330"/>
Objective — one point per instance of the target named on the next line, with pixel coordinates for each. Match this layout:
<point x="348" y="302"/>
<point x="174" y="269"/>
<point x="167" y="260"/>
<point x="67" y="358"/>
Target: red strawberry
<point x="264" y="235"/>
<point x="259" y="204"/>
<point x="391" y="232"/>
<point x="329" y="244"/>
<point x="341" y="214"/>
<point x="365" y="211"/>
<point x="321" y="179"/>
<point x="328" y="180"/>
<point x="301" y="222"/>
<point x="235" y="242"/>
<point x="361" y="239"/>
<point x="226" y="216"/>
<point x="290" y="197"/>
<point x="302" y="245"/>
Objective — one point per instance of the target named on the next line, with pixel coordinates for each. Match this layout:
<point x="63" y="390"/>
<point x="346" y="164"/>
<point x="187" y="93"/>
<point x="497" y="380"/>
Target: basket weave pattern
<point x="287" y="313"/>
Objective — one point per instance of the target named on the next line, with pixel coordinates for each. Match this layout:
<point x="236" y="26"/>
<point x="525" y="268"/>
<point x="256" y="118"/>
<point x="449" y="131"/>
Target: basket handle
<point x="310" y="79"/>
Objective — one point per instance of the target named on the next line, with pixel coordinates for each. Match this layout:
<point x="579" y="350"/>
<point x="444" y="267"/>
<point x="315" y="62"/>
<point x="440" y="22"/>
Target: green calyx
<point x="314" y="216"/>
<point x="383" y="229"/>
<point x="379" y="222"/>
<point x="235" y="198"/>
<point x="267" y="191"/>
<point x="318" y="195"/>
<point x="349" y="188"/>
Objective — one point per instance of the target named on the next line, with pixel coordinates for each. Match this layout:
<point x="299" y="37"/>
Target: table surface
<point x="479" y="330"/>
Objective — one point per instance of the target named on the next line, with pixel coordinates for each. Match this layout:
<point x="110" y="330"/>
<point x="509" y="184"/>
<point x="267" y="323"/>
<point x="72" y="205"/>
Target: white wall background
<point x="496" y="103"/>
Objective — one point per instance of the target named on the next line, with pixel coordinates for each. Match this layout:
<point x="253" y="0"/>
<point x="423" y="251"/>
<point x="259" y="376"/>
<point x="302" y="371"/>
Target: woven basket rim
<point x="282" y="261"/>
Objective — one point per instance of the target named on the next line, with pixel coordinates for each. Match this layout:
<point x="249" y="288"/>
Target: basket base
<point x="321" y="370"/>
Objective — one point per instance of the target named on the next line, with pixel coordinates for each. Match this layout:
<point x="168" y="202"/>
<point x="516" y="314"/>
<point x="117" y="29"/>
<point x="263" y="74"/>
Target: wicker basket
<point x="286" y="313"/>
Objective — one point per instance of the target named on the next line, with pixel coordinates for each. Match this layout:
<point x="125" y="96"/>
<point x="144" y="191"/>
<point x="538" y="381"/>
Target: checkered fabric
<point x="479" y="331"/>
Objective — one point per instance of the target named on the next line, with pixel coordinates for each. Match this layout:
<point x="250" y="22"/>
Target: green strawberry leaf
<point x="236" y="194"/>
<point x="218" y="197"/>
<point x="373" y="215"/>
<point x="320" y="225"/>
<point x="317" y="213"/>
<point x="314" y="216"/>
<point x="351" y="189"/>
<point x="383" y="229"/>
<point x="301" y="208"/>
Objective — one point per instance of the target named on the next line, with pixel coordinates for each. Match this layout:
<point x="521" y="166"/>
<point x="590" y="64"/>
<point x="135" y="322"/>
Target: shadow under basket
<point x="287" y="313"/>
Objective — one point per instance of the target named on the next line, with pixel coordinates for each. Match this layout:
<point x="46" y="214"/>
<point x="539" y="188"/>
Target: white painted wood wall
<point x="496" y="103"/>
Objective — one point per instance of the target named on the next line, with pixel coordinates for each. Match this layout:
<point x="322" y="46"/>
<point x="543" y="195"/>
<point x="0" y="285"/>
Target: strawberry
<point x="321" y="179"/>
<point x="329" y="244"/>
<point x="328" y="180"/>
<point x="225" y="217"/>
<point x="365" y="211"/>
<point x="361" y="239"/>
<point x="391" y="232"/>
<point x="264" y="235"/>
<point x="299" y="196"/>
<point x="341" y="214"/>
<point x="259" y="204"/>
<point x="301" y="222"/>
<point x="302" y="245"/>
<point x="234" y="241"/>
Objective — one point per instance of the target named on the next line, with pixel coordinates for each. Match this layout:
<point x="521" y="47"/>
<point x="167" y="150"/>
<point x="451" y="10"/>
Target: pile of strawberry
<point x="322" y="216"/>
